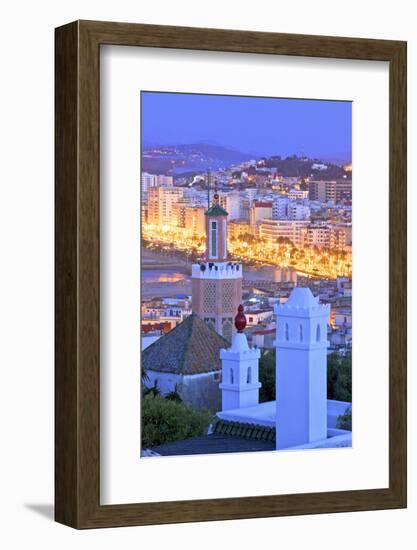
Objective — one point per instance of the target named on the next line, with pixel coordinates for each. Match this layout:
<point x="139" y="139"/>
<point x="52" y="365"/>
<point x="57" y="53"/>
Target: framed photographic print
<point x="230" y="274"/>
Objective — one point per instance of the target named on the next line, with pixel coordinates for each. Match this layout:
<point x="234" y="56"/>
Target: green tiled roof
<point x="212" y="444"/>
<point x="216" y="210"/>
<point x="248" y="431"/>
<point x="192" y="347"/>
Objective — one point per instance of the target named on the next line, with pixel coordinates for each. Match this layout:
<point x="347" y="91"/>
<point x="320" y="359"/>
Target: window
<point x="287" y="336"/>
<point x="213" y="239"/>
<point x="227" y="328"/>
<point x="249" y="376"/>
<point x="225" y="239"/>
<point x="231" y="376"/>
<point x="301" y="333"/>
<point x="318" y="335"/>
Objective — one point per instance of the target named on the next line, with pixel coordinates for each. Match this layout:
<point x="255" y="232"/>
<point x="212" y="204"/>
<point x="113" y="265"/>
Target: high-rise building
<point x="341" y="236"/>
<point x="259" y="211"/>
<point x="231" y="203"/>
<point x="280" y="208"/>
<point x="160" y="203"/>
<point x="237" y="228"/>
<point x="216" y="282"/>
<point x="194" y="221"/>
<point x="274" y="230"/>
<point x="297" y="211"/>
<point x="178" y="212"/>
<point x="330" y="191"/>
<point x="322" y="191"/>
<point x="155" y="180"/>
<point x="164" y="181"/>
<point x="250" y="193"/>
<point x="297" y="194"/>
<point x="148" y="181"/>
<point x="317" y="235"/>
<point x="343" y="190"/>
<point x="285" y="209"/>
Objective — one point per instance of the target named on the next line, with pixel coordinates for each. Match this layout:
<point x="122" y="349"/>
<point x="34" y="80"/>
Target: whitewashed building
<point x="187" y="360"/>
<point x="240" y="370"/>
<point x="301" y="416"/>
<point x="301" y="370"/>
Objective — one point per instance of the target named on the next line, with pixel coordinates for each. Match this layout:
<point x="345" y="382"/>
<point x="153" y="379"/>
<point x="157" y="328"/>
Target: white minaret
<point x="240" y="370"/>
<point x="301" y="369"/>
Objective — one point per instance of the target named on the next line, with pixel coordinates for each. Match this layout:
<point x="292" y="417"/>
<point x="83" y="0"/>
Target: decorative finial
<point x="216" y="193"/>
<point x="240" y="319"/>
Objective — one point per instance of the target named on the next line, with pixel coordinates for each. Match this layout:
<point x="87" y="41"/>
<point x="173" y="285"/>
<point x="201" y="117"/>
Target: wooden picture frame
<point x="77" y="406"/>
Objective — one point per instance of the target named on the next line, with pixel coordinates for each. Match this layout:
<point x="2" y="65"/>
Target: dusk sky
<point x="259" y="126"/>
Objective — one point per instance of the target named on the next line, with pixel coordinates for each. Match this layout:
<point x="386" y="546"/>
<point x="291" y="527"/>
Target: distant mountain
<point x="339" y="158"/>
<point x="176" y="159"/>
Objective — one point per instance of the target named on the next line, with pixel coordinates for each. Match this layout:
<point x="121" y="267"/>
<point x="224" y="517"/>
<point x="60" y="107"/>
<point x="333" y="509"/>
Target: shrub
<point x="164" y="421"/>
<point x="344" y="421"/>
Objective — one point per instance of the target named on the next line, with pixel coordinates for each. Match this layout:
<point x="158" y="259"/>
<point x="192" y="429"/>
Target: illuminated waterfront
<point x="323" y="263"/>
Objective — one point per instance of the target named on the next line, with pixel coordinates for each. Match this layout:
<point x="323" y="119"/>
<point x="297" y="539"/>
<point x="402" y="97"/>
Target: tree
<point x="164" y="421"/>
<point x="267" y="375"/>
<point x="247" y="237"/>
<point x="339" y="377"/>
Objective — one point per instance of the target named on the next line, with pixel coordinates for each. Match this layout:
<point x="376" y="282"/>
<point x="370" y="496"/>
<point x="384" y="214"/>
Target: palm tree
<point x="143" y="376"/>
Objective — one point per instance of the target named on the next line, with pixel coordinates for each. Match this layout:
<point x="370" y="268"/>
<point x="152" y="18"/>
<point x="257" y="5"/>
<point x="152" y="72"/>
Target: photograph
<point x="209" y="267"/>
<point x="246" y="273"/>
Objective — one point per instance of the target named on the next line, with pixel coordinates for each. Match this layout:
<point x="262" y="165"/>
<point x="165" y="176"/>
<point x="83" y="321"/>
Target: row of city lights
<point x="310" y="260"/>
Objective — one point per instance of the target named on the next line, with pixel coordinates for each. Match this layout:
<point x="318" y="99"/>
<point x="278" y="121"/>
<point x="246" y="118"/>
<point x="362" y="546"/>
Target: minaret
<point x="216" y="231"/>
<point x="240" y="370"/>
<point x="216" y="282"/>
<point x="301" y="369"/>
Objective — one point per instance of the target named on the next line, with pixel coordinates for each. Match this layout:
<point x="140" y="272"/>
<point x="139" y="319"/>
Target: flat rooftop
<point x="264" y="414"/>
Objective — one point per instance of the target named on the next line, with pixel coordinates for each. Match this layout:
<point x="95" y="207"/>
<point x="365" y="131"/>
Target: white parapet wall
<point x="218" y="270"/>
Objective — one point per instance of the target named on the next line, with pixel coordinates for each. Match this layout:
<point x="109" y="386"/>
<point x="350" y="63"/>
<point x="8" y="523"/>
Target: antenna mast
<point x="208" y="189"/>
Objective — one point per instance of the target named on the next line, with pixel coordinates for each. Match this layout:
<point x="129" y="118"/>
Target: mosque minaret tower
<point x="217" y="282"/>
<point x="301" y="369"/>
<point x="240" y="370"/>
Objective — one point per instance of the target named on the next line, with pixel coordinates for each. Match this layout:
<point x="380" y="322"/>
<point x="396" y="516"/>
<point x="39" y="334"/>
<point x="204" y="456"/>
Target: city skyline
<point x="252" y="125"/>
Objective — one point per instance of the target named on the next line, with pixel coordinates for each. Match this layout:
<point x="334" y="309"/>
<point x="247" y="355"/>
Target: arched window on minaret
<point x="213" y="239"/>
<point x="301" y="333"/>
<point x="224" y="239"/>
<point x="318" y="334"/>
<point x="249" y="376"/>
<point x="287" y="335"/>
<point x="231" y="376"/>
